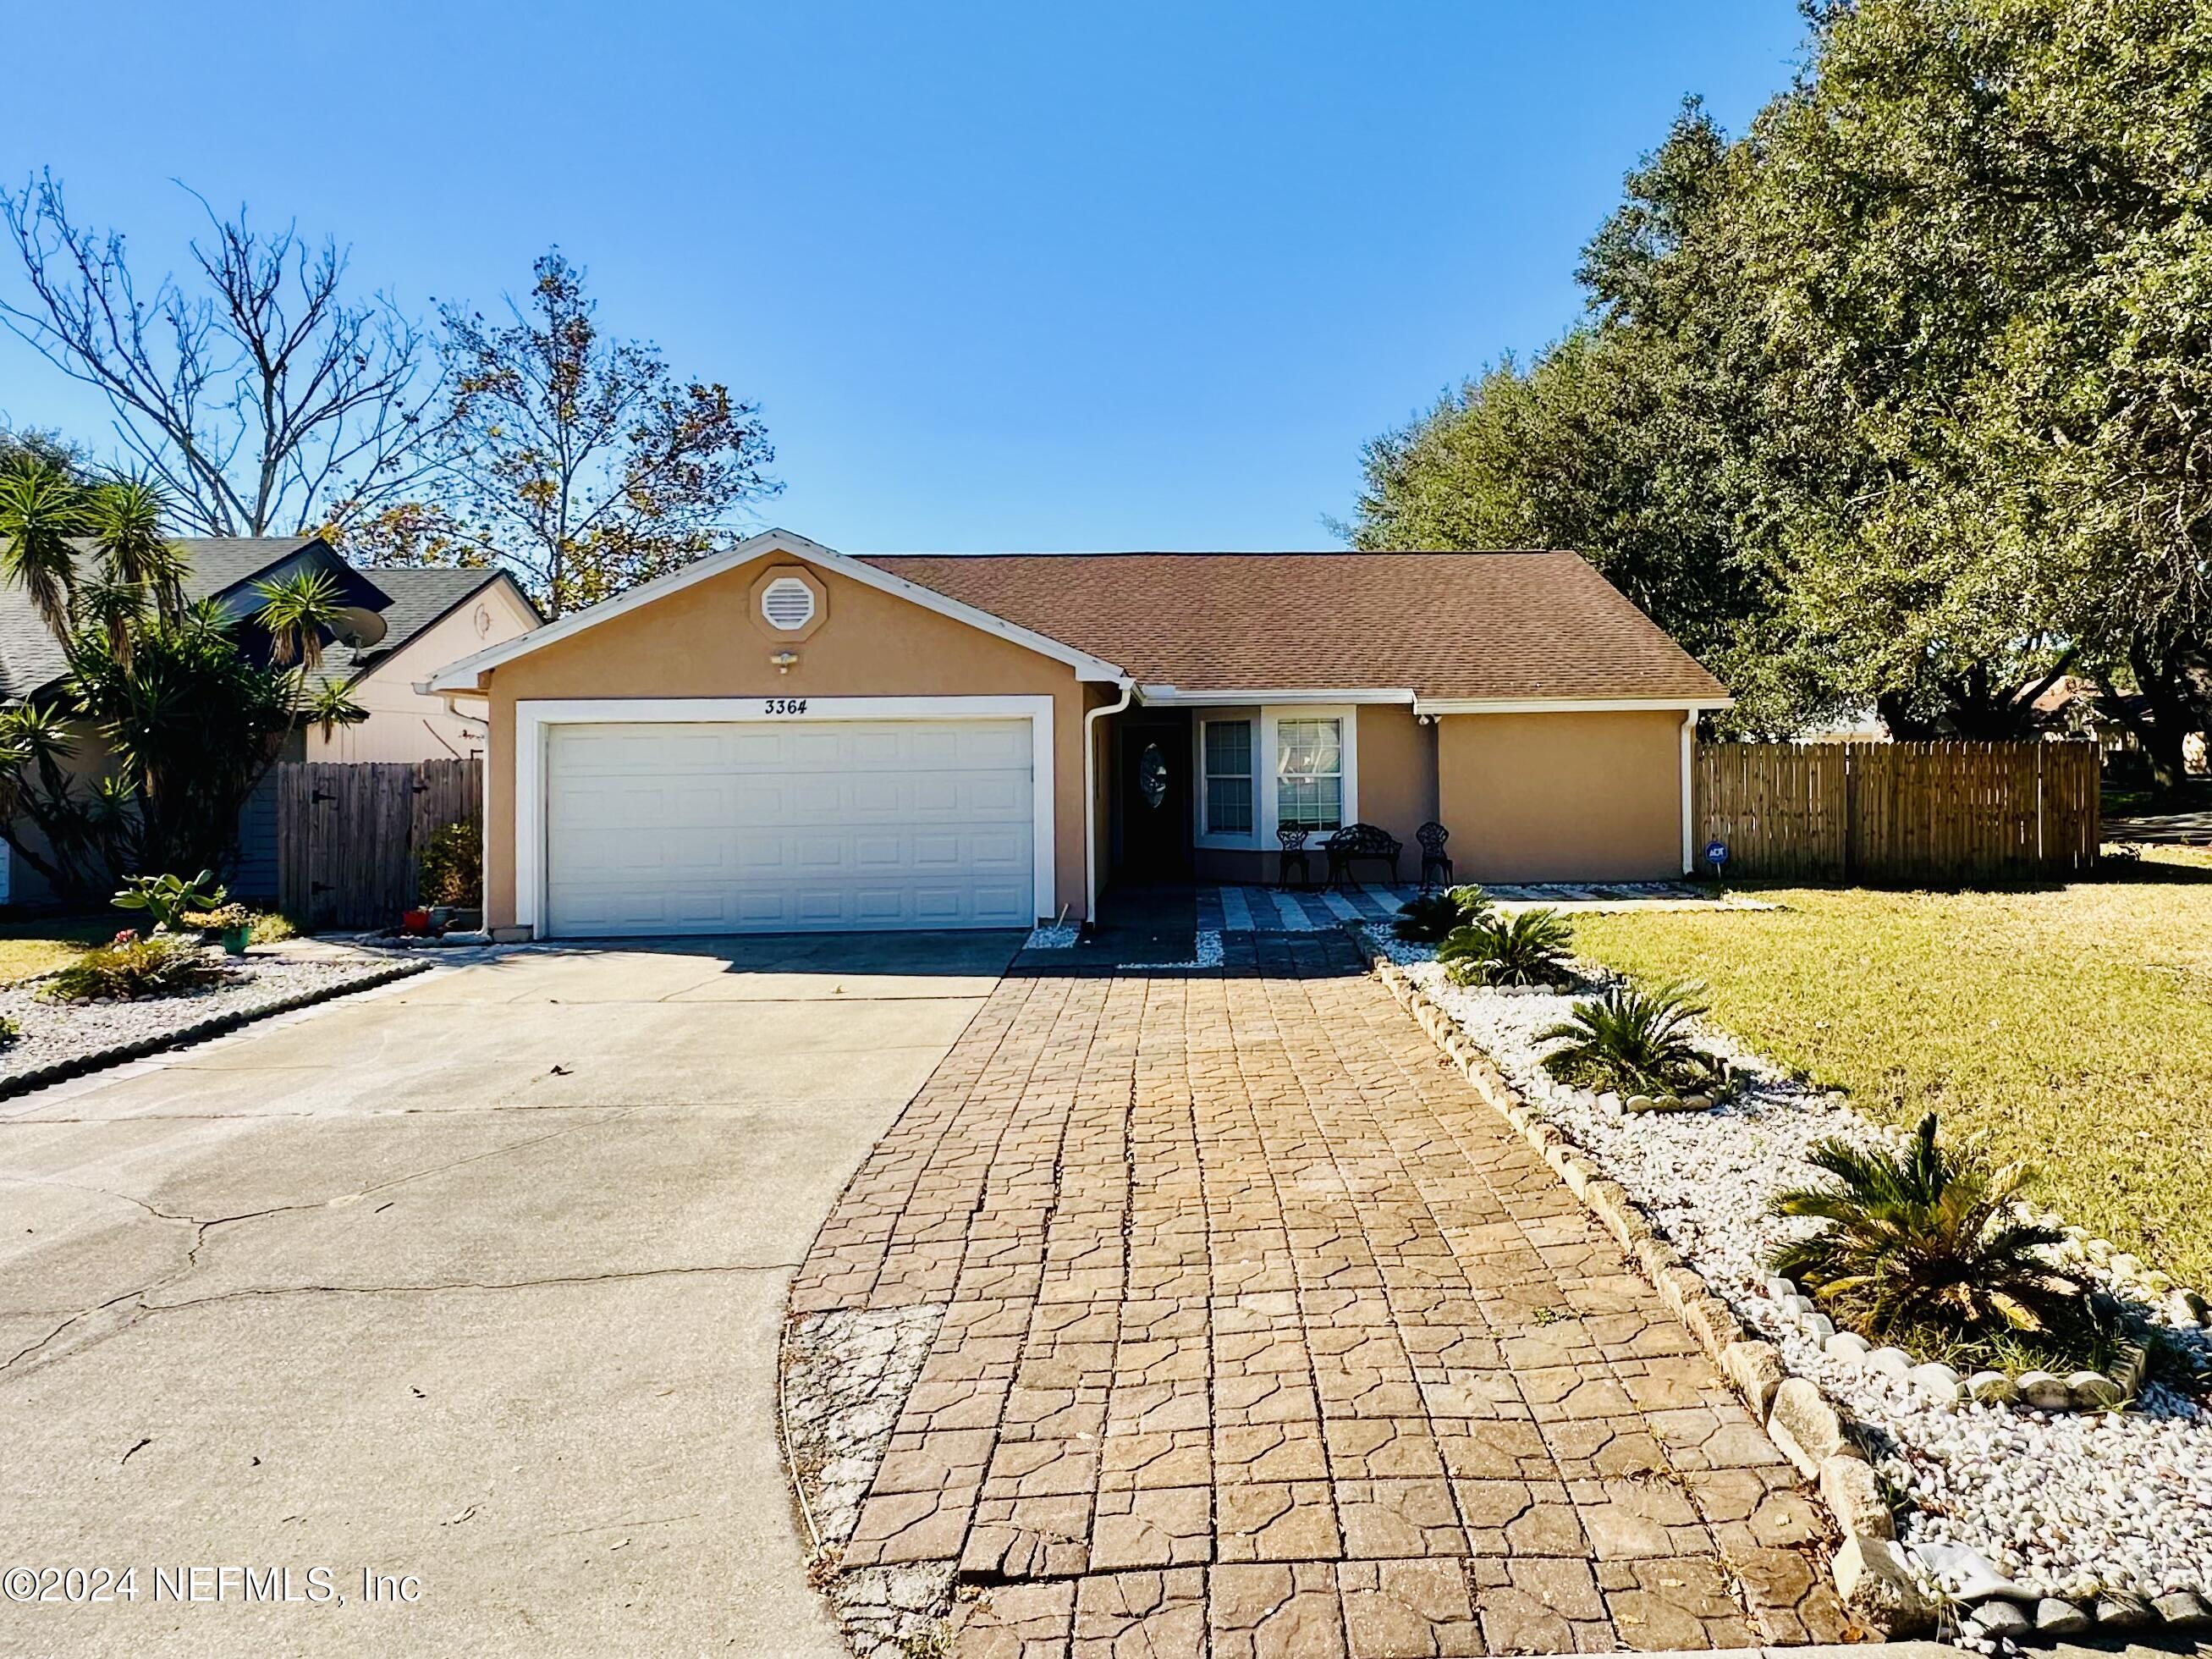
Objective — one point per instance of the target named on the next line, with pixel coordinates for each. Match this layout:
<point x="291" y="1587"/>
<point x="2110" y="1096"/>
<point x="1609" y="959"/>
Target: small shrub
<point x="1633" y="1040"/>
<point x="451" y="866"/>
<point x="167" y="899"/>
<point x="1427" y="917"/>
<point x="132" y="968"/>
<point x="1929" y="1240"/>
<point x="1530" y="949"/>
<point x="9" y="1031"/>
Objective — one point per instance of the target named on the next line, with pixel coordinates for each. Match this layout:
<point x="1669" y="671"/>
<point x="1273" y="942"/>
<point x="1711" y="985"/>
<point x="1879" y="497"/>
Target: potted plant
<point x="231" y="926"/>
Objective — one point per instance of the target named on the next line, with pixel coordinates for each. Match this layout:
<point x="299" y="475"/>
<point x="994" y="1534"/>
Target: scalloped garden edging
<point x="215" y="1024"/>
<point x="1879" y="1581"/>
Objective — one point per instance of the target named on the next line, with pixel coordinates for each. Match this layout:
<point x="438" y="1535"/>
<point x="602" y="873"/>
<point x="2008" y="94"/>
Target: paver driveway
<point x="1245" y="1328"/>
<point x="478" y="1279"/>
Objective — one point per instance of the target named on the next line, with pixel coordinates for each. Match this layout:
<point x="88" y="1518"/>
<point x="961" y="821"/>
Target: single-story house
<point x="781" y="736"/>
<point x="422" y="617"/>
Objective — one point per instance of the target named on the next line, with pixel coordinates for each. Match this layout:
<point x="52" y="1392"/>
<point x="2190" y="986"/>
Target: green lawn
<point x="42" y="945"/>
<point x="2073" y="1024"/>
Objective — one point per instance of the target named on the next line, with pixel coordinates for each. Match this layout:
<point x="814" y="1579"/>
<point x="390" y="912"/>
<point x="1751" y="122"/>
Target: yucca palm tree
<point x="295" y="613"/>
<point x="41" y="508"/>
<point x="1527" y="949"/>
<point x="1629" y="1039"/>
<point x="124" y="518"/>
<point x="1927" y="1237"/>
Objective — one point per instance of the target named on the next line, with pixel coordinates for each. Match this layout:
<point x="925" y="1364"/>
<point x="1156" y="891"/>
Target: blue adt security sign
<point x="1717" y="853"/>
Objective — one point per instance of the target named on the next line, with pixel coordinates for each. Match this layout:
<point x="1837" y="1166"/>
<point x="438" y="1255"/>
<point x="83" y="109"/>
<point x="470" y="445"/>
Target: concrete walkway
<point x="477" y="1280"/>
<point x="1238" y="1326"/>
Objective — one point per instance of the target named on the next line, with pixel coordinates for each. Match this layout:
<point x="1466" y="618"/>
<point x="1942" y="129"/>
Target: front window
<point x="1228" y="777"/>
<point x="1310" y="774"/>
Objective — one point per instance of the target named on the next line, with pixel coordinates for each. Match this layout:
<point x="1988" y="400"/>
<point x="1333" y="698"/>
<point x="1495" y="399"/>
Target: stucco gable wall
<point x="406" y="724"/>
<point x="704" y="641"/>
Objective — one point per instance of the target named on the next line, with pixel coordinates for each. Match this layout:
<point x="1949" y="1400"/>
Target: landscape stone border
<point x="1877" y="1581"/>
<point x="1872" y="1575"/>
<point x="100" y="1059"/>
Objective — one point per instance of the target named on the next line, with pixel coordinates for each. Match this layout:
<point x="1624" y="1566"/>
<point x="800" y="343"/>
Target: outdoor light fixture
<point x="783" y="661"/>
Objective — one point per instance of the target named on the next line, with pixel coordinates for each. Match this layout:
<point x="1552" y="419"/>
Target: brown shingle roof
<point x="1444" y="625"/>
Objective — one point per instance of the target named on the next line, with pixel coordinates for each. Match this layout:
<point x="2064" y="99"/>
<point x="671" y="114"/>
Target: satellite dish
<point x="359" y="627"/>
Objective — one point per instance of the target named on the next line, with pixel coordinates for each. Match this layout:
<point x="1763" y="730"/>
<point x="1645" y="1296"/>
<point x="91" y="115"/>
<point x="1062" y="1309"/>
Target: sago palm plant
<point x="1527" y="949"/>
<point x="1633" y="1040"/>
<point x="1927" y="1237"/>
<point x="1428" y="917"/>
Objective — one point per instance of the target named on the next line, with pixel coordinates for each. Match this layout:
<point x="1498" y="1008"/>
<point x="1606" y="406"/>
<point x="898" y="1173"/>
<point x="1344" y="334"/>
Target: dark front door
<point x="1155" y="800"/>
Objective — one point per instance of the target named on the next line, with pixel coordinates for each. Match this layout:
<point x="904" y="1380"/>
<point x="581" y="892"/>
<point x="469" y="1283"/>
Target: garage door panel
<point x="736" y="826"/>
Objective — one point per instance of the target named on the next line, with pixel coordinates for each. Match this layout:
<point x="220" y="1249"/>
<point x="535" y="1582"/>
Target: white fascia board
<point x="462" y="676"/>
<point x="1567" y="705"/>
<point x="1175" y="695"/>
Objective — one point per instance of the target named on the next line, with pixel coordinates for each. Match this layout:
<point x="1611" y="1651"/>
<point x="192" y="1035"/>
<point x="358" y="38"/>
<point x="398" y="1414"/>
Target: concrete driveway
<point x="477" y="1280"/>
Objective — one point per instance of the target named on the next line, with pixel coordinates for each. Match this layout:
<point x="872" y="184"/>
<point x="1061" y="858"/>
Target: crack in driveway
<point x="44" y="1352"/>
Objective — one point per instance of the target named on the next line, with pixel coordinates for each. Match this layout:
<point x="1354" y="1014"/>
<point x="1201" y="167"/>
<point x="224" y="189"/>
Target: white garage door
<point x="745" y="827"/>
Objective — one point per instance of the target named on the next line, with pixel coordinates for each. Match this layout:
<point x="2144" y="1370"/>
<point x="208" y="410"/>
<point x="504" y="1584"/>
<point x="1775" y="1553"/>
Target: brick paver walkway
<point x="1264" y="1335"/>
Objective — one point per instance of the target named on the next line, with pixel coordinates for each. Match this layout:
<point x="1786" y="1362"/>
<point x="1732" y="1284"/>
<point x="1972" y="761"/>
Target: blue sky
<point x="1002" y="276"/>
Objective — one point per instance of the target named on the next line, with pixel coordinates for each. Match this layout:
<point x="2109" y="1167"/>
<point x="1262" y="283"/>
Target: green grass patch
<point x="2072" y="1024"/>
<point x="30" y="948"/>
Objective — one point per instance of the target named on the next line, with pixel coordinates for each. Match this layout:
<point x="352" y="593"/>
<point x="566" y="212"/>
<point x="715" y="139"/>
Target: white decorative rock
<point x="2093" y="1390"/>
<point x="2045" y="1392"/>
<point x="1638" y="1104"/>
<point x="1893" y="1362"/>
<point x="1801" y="1305"/>
<point x="1992" y="1388"/>
<point x="1780" y="1289"/>
<point x="2184" y="1308"/>
<point x="1935" y="1380"/>
<point x="2124" y="1266"/>
<point x="2055" y="1617"/>
<point x="1847" y="1344"/>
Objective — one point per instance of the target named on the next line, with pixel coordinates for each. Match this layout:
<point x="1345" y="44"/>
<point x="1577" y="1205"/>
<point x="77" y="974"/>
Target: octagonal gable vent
<point x="788" y="604"/>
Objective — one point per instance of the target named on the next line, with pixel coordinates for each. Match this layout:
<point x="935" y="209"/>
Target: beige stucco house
<point x="781" y="736"/>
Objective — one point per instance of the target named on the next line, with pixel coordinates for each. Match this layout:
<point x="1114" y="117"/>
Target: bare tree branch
<point x="262" y="399"/>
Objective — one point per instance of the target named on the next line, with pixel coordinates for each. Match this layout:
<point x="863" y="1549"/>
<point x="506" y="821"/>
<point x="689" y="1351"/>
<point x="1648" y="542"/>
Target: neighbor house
<point x="783" y="736"/>
<point x="415" y="620"/>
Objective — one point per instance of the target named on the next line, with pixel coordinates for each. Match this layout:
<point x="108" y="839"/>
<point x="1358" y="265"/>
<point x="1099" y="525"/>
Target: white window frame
<point x="1266" y="718"/>
<point x="534" y="719"/>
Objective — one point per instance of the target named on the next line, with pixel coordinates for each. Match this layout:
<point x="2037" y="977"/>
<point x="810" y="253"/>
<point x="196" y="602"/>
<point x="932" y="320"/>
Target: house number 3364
<point x="786" y="705"/>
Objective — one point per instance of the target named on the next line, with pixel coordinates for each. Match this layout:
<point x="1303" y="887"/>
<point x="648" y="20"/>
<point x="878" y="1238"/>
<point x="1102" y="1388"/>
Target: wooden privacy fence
<point x="349" y="834"/>
<point x="1941" y="812"/>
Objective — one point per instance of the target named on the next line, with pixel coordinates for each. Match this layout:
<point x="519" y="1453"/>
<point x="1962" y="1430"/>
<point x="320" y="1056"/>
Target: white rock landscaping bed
<point x="2045" y="1519"/>
<point x="62" y="1040"/>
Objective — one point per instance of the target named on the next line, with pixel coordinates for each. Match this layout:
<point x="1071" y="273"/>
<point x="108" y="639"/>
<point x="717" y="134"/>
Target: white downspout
<point x="1090" y="799"/>
<point x="1689" y="832"/>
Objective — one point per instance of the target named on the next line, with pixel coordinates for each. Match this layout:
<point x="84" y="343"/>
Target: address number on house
<point x="786" y="705"/>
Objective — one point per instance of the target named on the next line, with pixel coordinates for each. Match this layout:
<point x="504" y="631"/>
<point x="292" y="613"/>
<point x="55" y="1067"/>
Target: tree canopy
<point x="1899" y="399"/>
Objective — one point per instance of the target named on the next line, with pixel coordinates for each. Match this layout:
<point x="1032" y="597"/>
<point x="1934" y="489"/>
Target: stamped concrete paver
<point x="1263" y="1336"/>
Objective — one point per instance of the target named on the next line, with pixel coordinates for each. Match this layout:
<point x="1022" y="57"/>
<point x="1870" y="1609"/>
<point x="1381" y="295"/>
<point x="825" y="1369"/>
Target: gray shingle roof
<point x="419" y="598"/>
<point x="31" y="657"/>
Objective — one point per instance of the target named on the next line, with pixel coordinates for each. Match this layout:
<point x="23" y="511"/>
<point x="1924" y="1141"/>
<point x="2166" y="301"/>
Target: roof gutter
<point x="1174" y="695"/>
<point x="1432" y="706"/>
